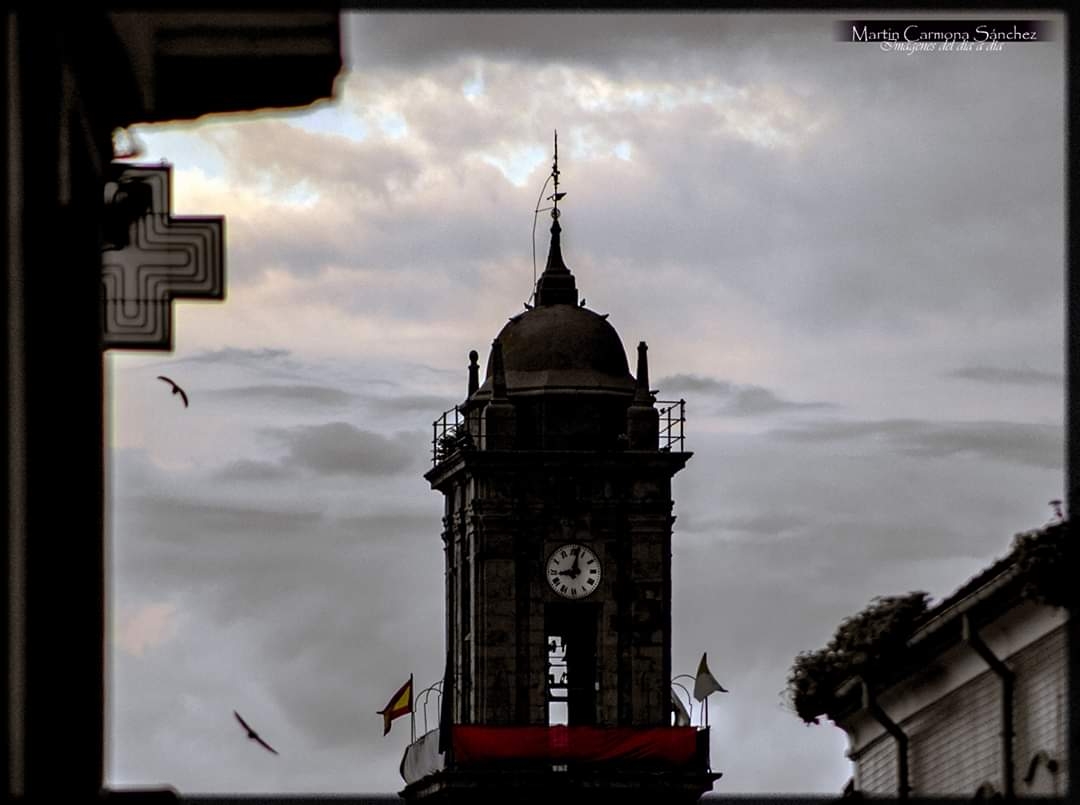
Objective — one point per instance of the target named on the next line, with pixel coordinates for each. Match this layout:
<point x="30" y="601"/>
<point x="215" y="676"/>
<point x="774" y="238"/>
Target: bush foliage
<point x="864" y="642"/>
<point x="1044" y="559"/>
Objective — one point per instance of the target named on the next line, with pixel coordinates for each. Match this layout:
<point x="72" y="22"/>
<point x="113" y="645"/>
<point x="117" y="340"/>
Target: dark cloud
<point x="194" y="523"/>
<point x="1033" y="445"/>
<point x="696" y="383"/>
<point x="237" y="355"/>
<point x="261" y="359"/>
<point x="618" y="42"/>
<point x="338" y="448"/>
<point x="248" y="470"/>
<point x="250" y="555"/>
<point x="794" y="534"/>
<point x="754" y="400"/>
<point x="305" y="394"/>
<point x="999" y="375"/>
<point x="243" y="553"/>
<point x="742" y="400"/>
<point x="424" y="403"/>
<point x="390" y="525"/>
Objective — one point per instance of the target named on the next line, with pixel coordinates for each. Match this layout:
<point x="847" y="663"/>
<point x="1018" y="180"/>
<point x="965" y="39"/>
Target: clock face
<point x="573" y="571"/>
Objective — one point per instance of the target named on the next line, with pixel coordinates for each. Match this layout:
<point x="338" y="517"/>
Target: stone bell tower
<point x="556" y="472"/>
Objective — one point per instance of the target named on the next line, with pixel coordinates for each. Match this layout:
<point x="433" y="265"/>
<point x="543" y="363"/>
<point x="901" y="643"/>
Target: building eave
<point x="185" y="64"/>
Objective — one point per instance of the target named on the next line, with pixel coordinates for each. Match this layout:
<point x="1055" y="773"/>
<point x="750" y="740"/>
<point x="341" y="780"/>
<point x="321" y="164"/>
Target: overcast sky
<point x="848" y="261"/>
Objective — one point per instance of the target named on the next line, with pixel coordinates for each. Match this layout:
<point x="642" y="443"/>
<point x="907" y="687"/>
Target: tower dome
<point x="562" y="348"/>
<point x="558" y="346"/>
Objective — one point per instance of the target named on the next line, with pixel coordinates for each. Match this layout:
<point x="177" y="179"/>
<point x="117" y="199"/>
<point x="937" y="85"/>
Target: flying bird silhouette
<point x="175" y="389"/>
<point x="252" y="734"/>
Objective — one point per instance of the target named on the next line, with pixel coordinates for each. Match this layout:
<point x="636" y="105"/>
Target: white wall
<point x="951" y="713"/>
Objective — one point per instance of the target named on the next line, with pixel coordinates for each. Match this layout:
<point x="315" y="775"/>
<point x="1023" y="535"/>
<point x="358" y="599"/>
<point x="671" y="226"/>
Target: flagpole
<point x="412" y="710"/>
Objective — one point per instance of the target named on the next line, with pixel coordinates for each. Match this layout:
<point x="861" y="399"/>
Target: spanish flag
<point x="400" y="704"/>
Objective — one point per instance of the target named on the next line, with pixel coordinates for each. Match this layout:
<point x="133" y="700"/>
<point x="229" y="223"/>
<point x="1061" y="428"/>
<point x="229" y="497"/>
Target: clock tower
<point x="556" y="472"/>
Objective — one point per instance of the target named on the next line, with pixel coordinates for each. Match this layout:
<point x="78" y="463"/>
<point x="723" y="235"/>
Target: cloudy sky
<point x="849" y="261"/>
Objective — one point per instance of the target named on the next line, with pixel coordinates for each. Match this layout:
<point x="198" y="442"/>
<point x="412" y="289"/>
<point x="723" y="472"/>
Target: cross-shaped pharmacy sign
<point x="150" y="257"/>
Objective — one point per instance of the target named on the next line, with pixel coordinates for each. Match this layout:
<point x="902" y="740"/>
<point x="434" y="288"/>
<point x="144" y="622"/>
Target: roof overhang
<point x="185" y="64"/>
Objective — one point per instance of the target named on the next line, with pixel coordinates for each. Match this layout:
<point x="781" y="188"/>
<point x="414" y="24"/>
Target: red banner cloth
<point x="676" y="746"/>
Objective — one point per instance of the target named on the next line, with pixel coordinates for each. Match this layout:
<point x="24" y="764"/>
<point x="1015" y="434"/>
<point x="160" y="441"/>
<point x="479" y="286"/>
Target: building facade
<point x="978" y="706"/>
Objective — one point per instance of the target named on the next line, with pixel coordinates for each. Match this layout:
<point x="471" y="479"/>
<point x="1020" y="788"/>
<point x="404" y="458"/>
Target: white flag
<point x="705" y="683"/>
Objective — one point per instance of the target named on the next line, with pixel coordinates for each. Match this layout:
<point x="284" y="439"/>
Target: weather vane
<point x="554" y="199"/>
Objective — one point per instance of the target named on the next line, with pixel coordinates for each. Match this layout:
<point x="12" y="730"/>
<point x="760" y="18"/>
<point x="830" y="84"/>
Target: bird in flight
<point x="175" y="388"/>
<point x="252" y="734"/>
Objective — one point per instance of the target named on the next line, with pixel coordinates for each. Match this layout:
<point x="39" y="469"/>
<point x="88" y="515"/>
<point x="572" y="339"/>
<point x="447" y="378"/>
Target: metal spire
<point x="556" y="284"/>
<point x="555" y="259"/>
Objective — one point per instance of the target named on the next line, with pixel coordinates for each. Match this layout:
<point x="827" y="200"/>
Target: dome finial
<point x="642" y="392"/>
<point x="474" y="372"/>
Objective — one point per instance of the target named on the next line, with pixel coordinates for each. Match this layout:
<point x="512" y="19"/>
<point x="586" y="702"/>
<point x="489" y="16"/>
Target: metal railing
<point x="454" y="431"/>
<point x="672" y="425"/>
